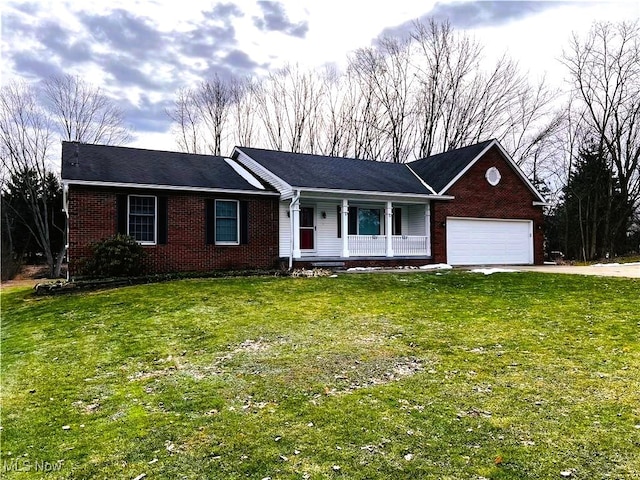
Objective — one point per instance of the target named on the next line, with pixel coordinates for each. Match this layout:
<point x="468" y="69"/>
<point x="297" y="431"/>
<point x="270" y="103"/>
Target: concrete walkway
<point x="630" y="270"/>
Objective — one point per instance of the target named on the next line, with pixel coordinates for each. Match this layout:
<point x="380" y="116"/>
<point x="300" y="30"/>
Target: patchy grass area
<point x="443" y="376"/>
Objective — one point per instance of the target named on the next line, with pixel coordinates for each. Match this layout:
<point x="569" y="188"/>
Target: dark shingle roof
<point x="102" y="163"/>
<point x="337" y="173"/>
<point x="439" y="170"/>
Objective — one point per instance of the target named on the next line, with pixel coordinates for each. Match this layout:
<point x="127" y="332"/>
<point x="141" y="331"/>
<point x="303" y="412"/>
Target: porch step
<point x="327" y="264"/>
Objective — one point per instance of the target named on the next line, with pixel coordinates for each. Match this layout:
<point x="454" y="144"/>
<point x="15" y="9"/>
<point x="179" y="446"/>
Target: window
<point x="227" y="225"/>
<point x="493" y="176"/>
<point x="362" y="221"/>
<point x="226" y="222"/>
<point x="142" y="219"/>
<point x="369" y="221"/>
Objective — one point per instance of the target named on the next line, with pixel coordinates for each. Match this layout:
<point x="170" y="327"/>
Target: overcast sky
<point x="141" y="51"/>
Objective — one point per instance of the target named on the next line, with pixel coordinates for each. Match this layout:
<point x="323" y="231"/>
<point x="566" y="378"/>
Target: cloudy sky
<point x="141" y="51"/>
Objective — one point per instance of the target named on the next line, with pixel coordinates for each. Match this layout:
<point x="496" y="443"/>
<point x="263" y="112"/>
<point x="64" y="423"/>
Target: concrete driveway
<point x="629" y="270"/>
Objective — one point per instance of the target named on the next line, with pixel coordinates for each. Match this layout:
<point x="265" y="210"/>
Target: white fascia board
<point x="338" y="194"/>
<point x="469" y="165"/>
<point x="519" y="172"/>
<point x="91" y="183"/>
<point x="244" y="173"/>
<point x="261" y="172"/>
<point x="513" y="164"/>
<point x="425" y="184"/>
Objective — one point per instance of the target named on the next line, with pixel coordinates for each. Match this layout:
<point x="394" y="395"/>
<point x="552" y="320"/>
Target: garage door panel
<point x="489" y="241"/>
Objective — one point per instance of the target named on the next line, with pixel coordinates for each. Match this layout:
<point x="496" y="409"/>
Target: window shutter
<point x="210" y="221"/>
<point x="163" y="220"/>
<point x="244" y="222"/>
<point x="339" y="221"/>
<point x="397" y="221"/>
<point x="121" y="214"/>
<point x="353" y="220"/>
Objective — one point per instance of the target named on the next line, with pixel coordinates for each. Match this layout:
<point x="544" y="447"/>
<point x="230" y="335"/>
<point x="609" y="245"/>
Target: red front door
<point x="307" y="228"/>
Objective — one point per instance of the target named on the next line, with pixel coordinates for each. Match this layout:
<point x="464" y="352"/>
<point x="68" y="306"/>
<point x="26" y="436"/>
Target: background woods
<point x="32" y="120"/>
<point x="401" y="99"/>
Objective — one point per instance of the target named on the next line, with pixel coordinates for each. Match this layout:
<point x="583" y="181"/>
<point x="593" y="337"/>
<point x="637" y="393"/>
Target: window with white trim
<point x="227" y="224"/>
<point x="369" y="221"/>
<point x="142" y="218"/>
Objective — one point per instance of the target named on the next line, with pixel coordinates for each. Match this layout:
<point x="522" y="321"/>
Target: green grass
<point x="452" y="376"/>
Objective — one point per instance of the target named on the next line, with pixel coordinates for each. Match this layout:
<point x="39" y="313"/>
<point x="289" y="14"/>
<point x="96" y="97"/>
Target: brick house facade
<point x="93" y="216"/>
<point x="476" y="198"/>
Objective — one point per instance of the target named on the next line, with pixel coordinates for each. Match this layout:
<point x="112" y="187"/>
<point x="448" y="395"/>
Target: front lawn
<point x="421" y="375"/>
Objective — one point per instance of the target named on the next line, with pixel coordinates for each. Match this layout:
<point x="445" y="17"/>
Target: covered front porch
<point x="332" y="230"/>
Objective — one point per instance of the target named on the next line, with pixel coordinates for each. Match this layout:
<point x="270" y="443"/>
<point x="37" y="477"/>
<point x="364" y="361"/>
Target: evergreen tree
<point x="593" y="219"/>
<point x="19" y="232"/>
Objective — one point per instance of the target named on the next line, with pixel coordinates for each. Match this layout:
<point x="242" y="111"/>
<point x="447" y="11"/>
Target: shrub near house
<point x="116" y="256"/>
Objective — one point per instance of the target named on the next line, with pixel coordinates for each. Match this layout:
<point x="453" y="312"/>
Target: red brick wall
<point x="475" y="197"/>
<point x="93" y="216"/>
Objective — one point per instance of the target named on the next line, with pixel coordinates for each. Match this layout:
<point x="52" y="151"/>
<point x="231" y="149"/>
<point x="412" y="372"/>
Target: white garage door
<point x="479" y="241"/>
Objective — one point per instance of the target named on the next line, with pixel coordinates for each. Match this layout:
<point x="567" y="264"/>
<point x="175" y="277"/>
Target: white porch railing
<point x="407" y="245"/>
<point x="367" y="245"/>
<point x="376" y="245"/>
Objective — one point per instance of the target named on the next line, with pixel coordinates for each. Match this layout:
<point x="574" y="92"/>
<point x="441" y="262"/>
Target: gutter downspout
<point x="65" y="209"/>
<point x="294" y="201"/>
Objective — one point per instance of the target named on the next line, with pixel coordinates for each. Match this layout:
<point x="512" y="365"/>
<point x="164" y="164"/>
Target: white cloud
<point x="141" y="51"/>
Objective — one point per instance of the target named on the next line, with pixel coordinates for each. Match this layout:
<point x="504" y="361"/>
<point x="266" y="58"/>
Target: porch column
<point x="295" y="229"/>
<point x="427" y="226"/>
<point x="388" y="228"/>
<point x="344" y="226"/>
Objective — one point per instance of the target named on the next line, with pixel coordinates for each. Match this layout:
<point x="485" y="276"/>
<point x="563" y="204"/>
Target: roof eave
<point x="148" y="186"/>
<point x="340" y="193"/>
<point x="420" y="179"/>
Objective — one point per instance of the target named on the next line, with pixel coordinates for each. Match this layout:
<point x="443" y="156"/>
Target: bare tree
<point x="269" y="99"/>
<point x="83" y="113"/>
<point x="286" y="100"/>
<point x="334" y="131"/>
<point x="445" y="66"/>
<point x="604" y="73"/>
<point x="213" y="100"/>
<point x="461" y="101"/>
<point x="29" y="120"/>
<point x="366" y="116"/>
<point x="26" y="135"/>
<point x="242" y="114"/>
<point x="213" y="116"/>
<point x="187" y="121"/>
<point x="385" y="72"/>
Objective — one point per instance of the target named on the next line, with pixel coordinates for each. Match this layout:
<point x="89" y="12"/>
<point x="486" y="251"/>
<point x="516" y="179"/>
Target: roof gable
<point x="439" y="170"/>
<point x="445" y="169"/>
<point x="88" y="163"/>
<point x="299" y="170"/>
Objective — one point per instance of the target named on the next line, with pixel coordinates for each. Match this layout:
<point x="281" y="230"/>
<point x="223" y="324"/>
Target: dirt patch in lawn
<point x="29" y="275"/>
<point x="361" y="374"/>
<point x="323" y="374"/>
